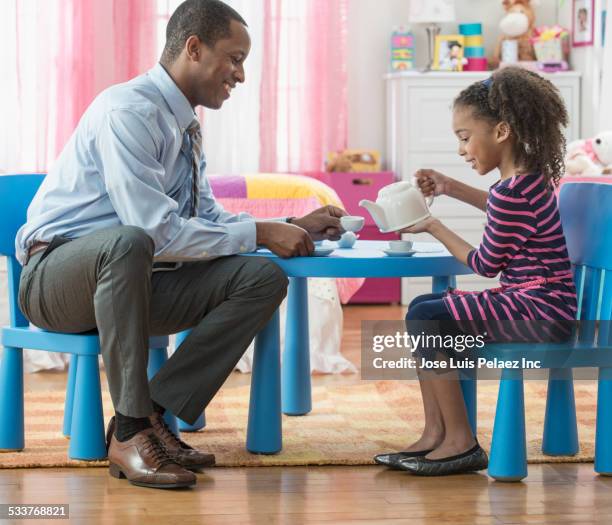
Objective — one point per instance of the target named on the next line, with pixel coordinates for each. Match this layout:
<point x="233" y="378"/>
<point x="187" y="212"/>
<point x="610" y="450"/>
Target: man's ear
<point x="193" y="48"/>
<point x="502" y="132"/>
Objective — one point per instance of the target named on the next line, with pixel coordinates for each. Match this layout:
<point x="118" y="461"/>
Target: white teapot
<point x="399" y="205"/>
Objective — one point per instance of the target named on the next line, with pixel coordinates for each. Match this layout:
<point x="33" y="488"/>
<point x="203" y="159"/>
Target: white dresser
<point x="420" y="135"/>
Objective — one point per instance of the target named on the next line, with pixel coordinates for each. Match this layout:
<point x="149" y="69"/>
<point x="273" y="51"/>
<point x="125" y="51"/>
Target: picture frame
<point x="448" y="53"/>
<point x="583" y="23"/>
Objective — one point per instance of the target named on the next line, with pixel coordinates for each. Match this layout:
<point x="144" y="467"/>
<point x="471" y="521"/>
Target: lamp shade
<point x="431" y="11"/>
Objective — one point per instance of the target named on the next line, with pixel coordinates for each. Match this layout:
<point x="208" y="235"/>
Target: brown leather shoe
<point x="186" y="456"/>
<point x="145" y="462"/>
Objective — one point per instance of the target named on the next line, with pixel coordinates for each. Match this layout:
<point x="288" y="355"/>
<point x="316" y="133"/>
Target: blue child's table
<point x="365" y="259"/>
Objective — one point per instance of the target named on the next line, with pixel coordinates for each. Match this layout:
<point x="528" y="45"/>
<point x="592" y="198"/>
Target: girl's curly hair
<point x="535" y="112"/>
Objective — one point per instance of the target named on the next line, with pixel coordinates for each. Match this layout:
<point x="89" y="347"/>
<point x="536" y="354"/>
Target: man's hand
<point x="285" y="240"/>
<point x="323" y="223"/>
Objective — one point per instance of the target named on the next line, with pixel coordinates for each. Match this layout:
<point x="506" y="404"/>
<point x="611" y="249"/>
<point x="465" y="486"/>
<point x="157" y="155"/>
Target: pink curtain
<point x="268" y="111"/>
<point x="75" y="66"/>
<point x="134" y="49"/>
<point x="97" y="50"/>
<point x="326" y="82"/>
<point x="62" y="53"/>
<point x="67" y="51"/>
<point x="303" y="110"/>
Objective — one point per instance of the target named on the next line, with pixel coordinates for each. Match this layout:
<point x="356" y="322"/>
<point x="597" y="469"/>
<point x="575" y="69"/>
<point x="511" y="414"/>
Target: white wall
<point x="370" y="24"/>
<point x="589" y="61"/>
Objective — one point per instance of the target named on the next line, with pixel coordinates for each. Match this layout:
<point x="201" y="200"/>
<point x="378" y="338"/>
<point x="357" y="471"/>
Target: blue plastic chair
<point x="83" y="417"/>
<point x="586" y="215"/>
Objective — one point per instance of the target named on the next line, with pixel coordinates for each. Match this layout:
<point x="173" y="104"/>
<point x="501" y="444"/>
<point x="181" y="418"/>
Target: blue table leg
<point x="440" y="283"/>
<point x="296" y="388"/>
<point x="264" y="430"/>
<point x="200" y="423"/>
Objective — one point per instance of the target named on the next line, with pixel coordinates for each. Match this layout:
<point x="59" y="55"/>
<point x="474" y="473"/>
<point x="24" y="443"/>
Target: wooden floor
<point x="569" y="493"/>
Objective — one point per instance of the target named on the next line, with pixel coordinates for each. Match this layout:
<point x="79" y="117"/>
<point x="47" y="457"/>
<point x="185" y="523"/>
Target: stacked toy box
<point x="474" y="47"/>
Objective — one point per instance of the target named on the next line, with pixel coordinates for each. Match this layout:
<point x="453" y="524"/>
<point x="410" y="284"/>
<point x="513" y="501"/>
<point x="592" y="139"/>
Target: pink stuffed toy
<point x="591" y="156"/>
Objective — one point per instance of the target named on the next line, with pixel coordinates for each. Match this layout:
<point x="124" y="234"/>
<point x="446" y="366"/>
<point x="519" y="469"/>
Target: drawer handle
<point x="362" y="182"/>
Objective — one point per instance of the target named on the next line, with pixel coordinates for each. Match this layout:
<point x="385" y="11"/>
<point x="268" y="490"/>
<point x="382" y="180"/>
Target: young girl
<point x="514" y="122"/>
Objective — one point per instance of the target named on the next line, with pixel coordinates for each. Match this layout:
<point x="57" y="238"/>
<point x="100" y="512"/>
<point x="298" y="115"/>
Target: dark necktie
<point x="195" y="135"/>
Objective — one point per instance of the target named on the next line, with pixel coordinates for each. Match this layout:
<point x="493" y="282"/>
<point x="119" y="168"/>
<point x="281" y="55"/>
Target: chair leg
<point x="157" y="358"/>
<point x="201" y="421"/>
<point x="508" y="459"/>
<point x="72" y="368"/>
<point x="11" y="400"/>
<point x="199" y="424"/>
<point x="87" y="430"/>
<point x="603" y="434"/>
<point x="560" y="428"/>
<point x="264" y="430"/>
<point x="469" y="389"/>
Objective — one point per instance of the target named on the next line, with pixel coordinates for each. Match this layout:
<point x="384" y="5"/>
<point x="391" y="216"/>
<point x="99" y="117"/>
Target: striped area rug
<point x="348" y="425"/>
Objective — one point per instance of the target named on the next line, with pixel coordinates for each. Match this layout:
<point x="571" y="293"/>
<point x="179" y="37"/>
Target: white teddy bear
<point x="590" y="156"/>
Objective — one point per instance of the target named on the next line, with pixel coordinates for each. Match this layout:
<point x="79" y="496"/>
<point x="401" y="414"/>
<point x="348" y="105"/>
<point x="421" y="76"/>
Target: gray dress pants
<point x="104" y="281"/>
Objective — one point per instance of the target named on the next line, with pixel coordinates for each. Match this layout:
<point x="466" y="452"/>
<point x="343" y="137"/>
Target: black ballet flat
<point x="390" y="459"/>
<point x="471" y="460"/>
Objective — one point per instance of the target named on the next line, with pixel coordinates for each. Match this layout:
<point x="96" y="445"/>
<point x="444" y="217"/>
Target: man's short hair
<point x="209" y="20"/>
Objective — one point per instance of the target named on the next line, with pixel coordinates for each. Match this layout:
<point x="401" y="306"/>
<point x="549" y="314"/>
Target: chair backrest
<point x="16" y="193"/>
<point x="586" y="215"/>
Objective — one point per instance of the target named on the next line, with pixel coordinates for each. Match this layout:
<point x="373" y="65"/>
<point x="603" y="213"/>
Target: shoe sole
<point x="197" y="468"/>
<point x="471" y="470"/>
<point x="456" y="473"/>
<point x="116" y="472"/>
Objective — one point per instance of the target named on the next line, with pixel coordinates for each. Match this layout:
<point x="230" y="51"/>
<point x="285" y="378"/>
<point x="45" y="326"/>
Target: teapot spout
<point x="377" y="213"/>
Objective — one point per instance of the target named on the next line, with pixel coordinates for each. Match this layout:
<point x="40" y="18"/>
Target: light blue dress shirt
<point x="129" y="163"/>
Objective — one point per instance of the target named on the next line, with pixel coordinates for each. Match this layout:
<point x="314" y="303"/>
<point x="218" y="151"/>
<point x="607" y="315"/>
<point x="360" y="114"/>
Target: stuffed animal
<point x="339" y="162"/>
<point x="353" y="160"/>
<point x="590" y="156"/>
<point x="517" y="24"/>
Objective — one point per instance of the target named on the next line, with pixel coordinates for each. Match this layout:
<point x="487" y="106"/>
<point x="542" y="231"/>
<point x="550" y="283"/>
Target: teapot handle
<point x="428" y="200"/>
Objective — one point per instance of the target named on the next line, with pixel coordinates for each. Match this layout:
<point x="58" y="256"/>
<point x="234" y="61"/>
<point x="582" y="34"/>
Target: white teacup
<point x="352" y="223"/>
<point x="400" y="246"/>
<point x="347" y="240"/>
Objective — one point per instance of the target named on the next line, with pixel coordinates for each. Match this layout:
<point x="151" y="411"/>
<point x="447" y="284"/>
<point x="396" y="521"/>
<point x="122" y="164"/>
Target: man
<point x="127" y="199"/>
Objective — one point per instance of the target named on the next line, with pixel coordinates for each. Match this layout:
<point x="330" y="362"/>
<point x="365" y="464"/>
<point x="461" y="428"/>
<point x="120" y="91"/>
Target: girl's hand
<point x="423" y="226"/>
<point x="432" y="182"/>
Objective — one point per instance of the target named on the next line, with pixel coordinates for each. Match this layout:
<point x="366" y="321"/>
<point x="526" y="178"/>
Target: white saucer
<point x="397" y="253"/>
<point x="322" y="252"/>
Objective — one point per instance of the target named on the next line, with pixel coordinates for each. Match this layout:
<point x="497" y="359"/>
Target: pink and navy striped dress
<point x="524" y="240"/>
